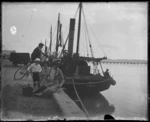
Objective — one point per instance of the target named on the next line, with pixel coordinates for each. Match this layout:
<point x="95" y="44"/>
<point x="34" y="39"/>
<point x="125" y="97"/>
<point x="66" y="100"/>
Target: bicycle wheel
<point x="20" y="73"/>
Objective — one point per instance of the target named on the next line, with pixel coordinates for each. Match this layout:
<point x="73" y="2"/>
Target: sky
<point x="117" y="29"/>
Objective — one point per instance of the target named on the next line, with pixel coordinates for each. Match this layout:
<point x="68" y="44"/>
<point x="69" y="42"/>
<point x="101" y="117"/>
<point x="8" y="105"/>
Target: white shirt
<point x="35" y="67"/>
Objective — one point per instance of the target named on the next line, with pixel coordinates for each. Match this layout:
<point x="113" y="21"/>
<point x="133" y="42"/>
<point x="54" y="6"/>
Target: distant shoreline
<point x="124" y="61"/>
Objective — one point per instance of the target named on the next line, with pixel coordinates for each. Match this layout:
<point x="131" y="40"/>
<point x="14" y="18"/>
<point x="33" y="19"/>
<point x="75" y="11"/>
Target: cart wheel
<point x="20" y="73"/>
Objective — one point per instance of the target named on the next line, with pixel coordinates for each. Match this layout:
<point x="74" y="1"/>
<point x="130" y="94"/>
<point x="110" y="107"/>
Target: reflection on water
<point x="96" y="105"/>
<point x="126" y="100"/>
<point x="129" y="95"/>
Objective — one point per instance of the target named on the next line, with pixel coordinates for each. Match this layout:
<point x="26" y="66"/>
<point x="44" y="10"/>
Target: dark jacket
<point x="106" y="74"/>
<point x="36" y="54"/>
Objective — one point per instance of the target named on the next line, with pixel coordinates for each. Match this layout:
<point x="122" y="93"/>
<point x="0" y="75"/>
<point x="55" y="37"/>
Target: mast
<point x="60" y="38"/>
<point x="79" y="28"/>
<point x="50" y="45"/>
<point x="45" y="47"/>
<point x="58" y="24"/>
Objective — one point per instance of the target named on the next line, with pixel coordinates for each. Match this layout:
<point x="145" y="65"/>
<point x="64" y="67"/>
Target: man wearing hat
<point x="37" y="52"/>
<point x="35" y="68"/>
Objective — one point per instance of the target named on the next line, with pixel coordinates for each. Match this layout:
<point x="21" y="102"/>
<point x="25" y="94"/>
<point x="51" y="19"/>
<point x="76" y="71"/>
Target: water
<point x="128" y="99"/>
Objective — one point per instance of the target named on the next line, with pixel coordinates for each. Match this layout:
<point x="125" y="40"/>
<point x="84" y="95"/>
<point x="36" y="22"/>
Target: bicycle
<point x="22" y="71"/>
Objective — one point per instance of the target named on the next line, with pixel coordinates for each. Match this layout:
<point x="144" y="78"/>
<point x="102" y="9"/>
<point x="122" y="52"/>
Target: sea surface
<point x="127" y="100"/>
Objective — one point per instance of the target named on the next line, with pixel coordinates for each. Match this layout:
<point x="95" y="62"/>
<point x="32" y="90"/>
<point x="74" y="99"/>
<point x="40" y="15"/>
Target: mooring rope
<point x="85" y="111"/>
<point x="101" y="67"/>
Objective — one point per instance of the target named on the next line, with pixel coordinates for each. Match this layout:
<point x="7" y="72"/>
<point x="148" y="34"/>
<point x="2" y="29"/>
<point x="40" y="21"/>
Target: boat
<point x="76" y="69"/>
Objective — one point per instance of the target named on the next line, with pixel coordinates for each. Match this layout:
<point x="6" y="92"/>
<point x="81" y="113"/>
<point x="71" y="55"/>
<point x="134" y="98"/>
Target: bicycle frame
<point x="22" y="71"/>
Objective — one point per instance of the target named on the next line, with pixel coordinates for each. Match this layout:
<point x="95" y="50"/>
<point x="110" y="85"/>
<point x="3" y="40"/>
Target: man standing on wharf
<point x="37" y="52"/>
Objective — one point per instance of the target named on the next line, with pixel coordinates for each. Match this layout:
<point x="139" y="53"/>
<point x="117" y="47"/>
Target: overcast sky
<point x="119" y="27"/>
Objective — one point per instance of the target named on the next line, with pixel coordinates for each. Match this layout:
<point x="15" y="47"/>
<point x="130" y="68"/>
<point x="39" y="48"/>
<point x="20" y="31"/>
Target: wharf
<point x="14" y="106"/>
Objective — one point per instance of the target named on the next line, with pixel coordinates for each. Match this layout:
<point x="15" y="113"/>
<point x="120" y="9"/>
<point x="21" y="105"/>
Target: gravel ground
<point x="17" y="107"/>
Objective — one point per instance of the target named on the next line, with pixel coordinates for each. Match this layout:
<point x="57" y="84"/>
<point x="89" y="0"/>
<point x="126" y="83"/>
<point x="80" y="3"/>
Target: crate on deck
<point x="19" y="58"/>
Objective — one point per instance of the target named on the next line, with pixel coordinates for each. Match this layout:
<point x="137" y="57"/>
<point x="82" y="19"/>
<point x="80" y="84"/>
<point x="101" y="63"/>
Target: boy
<point x="54" y="80"/>
<point x="35" y="68"/>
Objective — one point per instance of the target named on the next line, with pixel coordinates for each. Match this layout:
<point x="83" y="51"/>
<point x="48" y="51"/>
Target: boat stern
<point x="113" y="82"/>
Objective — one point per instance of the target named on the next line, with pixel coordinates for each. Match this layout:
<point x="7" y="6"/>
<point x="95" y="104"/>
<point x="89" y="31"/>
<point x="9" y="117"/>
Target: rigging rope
<point x="66" y="29"/>
<point x="88" y="36"/>
<point x="68" y="34"/>
<point x="64" y="45"/>
<point x="74" y="17"/>
<point x="98" y="41"/>
<point x="101" y="68"/>
<point x="76" y="12"/>
<point x="83" y="43"/>
<point x="85" y="111"/>
<point x="95" y="64"/>
<point x="95" y="36"/>
<point x="86" y="44"/>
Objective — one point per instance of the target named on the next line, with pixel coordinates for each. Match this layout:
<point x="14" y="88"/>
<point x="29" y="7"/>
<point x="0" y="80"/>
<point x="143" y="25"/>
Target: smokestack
<point x="71" y="36"/>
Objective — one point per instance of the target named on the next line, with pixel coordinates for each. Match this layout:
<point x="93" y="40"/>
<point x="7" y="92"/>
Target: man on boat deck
<point x="106" y="73"/>
<point x="54" y="80"/>
<point x="37" y="52"/>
